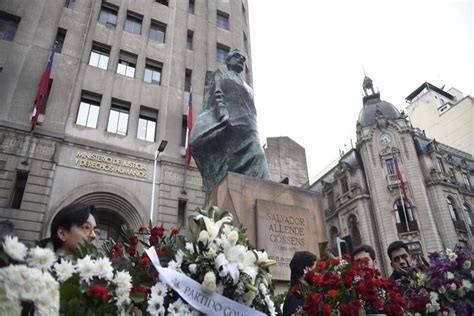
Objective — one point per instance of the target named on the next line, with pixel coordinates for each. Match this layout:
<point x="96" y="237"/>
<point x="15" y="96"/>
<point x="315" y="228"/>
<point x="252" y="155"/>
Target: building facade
<point x="286" y="159"/>
<point x="120" y="84"/>
<point x="446" y="116"/>
<point x="363" y="196"/>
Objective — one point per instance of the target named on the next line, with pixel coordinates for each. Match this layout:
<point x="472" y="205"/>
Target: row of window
<point x="88" y="115"/>
<point x="127" y="63"/>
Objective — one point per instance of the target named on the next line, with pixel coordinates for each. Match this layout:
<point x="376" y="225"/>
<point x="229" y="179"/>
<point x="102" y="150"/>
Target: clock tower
<point x="399" y="207"/>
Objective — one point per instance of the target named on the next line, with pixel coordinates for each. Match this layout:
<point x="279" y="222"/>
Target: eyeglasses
<point x="88" y="229"/>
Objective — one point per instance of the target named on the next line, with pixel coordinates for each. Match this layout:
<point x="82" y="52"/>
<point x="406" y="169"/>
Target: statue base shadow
<point x="279" y="218"/>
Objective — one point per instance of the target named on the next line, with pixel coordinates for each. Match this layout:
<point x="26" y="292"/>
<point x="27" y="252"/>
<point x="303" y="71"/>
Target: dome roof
<point x="374" y="107"/>
<point x="368" y="113"/>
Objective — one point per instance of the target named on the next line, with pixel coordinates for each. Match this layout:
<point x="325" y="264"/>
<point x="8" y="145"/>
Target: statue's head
<point x="235" y="60"/>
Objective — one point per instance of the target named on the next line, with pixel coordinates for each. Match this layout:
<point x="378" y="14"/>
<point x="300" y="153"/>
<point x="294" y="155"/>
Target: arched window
<point x="354" y="231"/>
<point x="452" y="209"/>
<point x="109" y="224"/>
<point x="469" y="216"/>
<point x="404" y="218"/>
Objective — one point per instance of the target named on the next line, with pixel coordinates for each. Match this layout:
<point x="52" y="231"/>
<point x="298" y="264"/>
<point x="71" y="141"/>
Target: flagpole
<point x="37" y="106"/>
<point x="188" y="135"/>
<point x="27" y="154"/>
<point x="402" y="200"/>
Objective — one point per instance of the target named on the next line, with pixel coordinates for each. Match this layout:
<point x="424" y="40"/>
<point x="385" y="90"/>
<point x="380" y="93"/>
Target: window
<point x="189" y="40"/>
<point x="46" y="97"/>
<point x="70" y="4"/>
<point x="133" y="23"/>
<point x="452" y="175"/>
<point x="191" y="7"/>
<point x="331" y="201"/>
<point x="163" y="2"/>
<point x="404" y="217"/>
<point x="19" y="190"/>
<point x="126" y="65"/>
<point x="222" y="52"/>
<point x="390" y="167"/>
<point x="118" y="118"/>
<point x="354" y="231"/>
<point x="467" y="183"/>
<point x="181" y="213"/>
<point x="108" y="15"/>
<point x="88" y="110"/>
<point x="184" y="127"/>
<point x="187" y="80"/>
<point x="153" y="72"/>
<point x="222" y="20"/>
<point x="147" y="124"/>
<point x="99" y="56"/>
<point x="344" y="185"/>
<point x="60" y="37"/>
<point x="452" y="209"/>
<point x="157" y="31"/>
<point x="440" y="163"/>
<point x="8" y="25"/>
<point x="469" y="217"/>
<point x="246" y="44"/>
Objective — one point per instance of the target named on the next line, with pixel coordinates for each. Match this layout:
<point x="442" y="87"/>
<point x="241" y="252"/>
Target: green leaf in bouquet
<point x="137" y="298"/>
<point x="70" y="288"/>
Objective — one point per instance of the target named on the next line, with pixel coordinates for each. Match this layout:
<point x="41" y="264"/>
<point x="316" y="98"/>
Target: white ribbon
<point x="192" y="292"/>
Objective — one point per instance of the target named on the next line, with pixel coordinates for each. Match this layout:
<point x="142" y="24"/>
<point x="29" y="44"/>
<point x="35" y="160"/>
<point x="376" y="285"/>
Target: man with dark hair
<point x="400" y="258"/>
<point x="365" y="251"/>
<point x="300" y="261"/>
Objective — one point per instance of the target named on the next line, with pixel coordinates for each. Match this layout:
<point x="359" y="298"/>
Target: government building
<point x="429" y="204"/>
<point x="120" y="85"/>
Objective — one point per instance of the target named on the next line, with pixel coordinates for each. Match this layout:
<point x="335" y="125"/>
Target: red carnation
<point x="99" y="291"/>
<point x="309" y="275"/>
<point x="133" y="240"/>
<point x="158" y="231"/>
<point x="116" y="254"/>
<point x="318" y="278"/>
<point x="175" y="230"/>
<point x="131" y="251"/>
<point x="153" y="240"/>
<point x="332" y="293"/>
<point x="346" y="310"/>
<point x="326" y="309"/>
<point x="295" y="288"/>
<point x="143" y="229"/>
<point x="138" y="289"/>
<point x="117" y="247"/>
<point x="335" y="261"/>
<point x="311" y="303"/>
<point x="320" y="265"/>
<point x="144" y="259"/>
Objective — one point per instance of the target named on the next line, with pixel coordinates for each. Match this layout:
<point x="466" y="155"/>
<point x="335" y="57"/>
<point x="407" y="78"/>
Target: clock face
<point x="385" y="139"/>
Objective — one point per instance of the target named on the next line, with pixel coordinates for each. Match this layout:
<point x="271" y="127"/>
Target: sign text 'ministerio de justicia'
<point x="110" y="164"/>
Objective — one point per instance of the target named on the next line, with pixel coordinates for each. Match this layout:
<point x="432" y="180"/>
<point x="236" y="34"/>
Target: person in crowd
<point x="300" y="261"/>
<point x="365" y="251"/>
<point x="400" y="258"/>
<point x="71" y="225"/>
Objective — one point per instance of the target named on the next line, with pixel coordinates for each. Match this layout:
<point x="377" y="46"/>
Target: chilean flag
<point x="42" y="89"/>
<point x="400" y="178"/>
<point x="189" y="127"/>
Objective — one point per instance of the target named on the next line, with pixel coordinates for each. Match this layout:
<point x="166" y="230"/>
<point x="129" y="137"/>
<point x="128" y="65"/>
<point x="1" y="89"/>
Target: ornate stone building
<point x="362" y="195"/>
<point x="120" y="84"/>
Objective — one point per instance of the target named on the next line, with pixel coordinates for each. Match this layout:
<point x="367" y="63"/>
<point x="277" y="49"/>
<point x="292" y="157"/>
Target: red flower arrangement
<point x="337" y="286"/>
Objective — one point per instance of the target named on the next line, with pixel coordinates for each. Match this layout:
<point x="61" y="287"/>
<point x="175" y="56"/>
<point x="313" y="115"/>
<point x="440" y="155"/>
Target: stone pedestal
<point x="279" y="218"/>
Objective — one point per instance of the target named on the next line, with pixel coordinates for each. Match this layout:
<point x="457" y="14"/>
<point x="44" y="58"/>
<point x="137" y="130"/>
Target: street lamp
<point x="158" y="152"/>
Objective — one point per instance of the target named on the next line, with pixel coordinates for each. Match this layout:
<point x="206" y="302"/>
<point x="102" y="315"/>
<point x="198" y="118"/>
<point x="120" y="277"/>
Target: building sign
<point x="281" y="231"/>
<point x="110" y="164"/>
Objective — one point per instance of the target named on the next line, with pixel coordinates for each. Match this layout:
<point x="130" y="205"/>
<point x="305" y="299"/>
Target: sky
<point x="309" y="58"/>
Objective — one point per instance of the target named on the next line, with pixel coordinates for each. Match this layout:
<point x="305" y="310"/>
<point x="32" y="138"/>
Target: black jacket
<point x="292" y="303"/>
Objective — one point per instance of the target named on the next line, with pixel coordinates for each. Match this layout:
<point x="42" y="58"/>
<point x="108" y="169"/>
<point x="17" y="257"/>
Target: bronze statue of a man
<point x="224" y="136"/>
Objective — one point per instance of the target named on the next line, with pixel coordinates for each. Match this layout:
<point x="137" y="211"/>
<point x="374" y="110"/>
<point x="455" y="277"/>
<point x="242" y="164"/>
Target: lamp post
<point x="158" y="152"/>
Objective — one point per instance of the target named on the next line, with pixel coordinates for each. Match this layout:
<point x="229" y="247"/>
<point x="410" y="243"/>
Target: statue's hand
<point x="222" y="114"/>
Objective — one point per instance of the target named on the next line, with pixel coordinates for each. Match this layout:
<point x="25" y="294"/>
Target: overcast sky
<point x="308" y="58"/>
